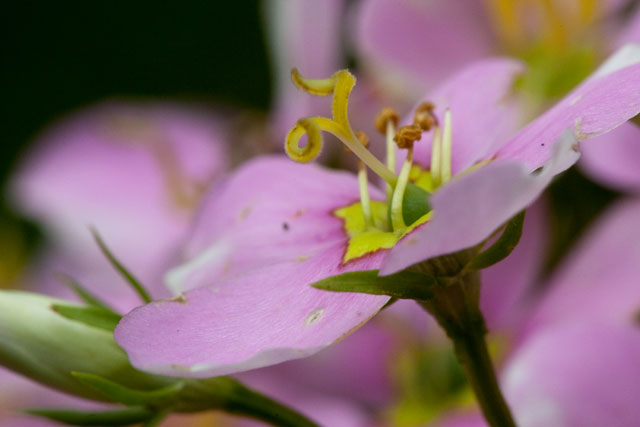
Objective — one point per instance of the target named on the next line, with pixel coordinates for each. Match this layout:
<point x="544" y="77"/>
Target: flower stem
<point x="455" y="305"/>
<point x="471" y="351"/>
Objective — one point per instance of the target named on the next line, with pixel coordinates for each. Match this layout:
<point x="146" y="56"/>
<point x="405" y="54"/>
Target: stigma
<point x="408" y="190"/>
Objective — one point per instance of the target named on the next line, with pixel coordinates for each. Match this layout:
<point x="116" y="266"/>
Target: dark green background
<point x="59" y="56"/>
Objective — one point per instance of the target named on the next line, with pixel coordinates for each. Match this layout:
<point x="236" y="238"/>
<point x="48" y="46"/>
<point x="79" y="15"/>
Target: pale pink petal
<point x="579" y="374"/>
<point x="419" y="43"/>
<point x="271" y="210"/>
<point x="604" y="101"/>
<point x="599" y="280"/>
<point x="305" y="35"/>
<point x="614" y="159"/>
<point x="356" y="370"/>
<point x="506" y="286"/>
<point x="97" y="168"/>
<point x="484" y="113"/>
<point x="468" y="209"/>
<point x="260" y="318"/>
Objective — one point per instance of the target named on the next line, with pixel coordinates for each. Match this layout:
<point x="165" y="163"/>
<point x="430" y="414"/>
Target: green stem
<point x="471" y="351"/>
<point x="455" y="305"/>
<point x="248" y="403"/>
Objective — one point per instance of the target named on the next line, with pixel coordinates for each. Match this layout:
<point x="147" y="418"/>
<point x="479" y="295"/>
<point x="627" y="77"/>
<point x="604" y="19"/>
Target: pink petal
<point x="607" y="99"/>
<point x="484" y="112"/>
<point x="580" y="374"/>
<point x="505" y="298"/>
<point x="420" y="43"/>
<point x="304" y="35"/>
<point x="271" y="202"/>
<point x="613" y="158"/>
<point x="468" y="209"/>
<point x="260" y="318"/>
<point x="600" y="278"/>
<point x="88" y="171"/>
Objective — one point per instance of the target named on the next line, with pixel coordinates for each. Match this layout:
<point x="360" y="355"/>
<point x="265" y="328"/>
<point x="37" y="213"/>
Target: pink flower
<point x="135" y="172"/>
<point x="574" y="359"/>
<point x="275" y="227"/>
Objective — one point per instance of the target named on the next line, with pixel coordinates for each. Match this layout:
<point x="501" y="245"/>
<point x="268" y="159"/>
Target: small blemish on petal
<point x="411" y="241"/>
<point x="575" y="100"/>
<point x="314" y="317"/>
<point x="302" y="258"/>
<point x="244" y="213"/>
<point x="285" y="226"/>
<point x="181" y="299"/>
<point x="299" y="213"/>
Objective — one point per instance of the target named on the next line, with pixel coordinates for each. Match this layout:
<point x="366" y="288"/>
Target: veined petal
<point x="271" y="210"/>
<point x="260" y="318"/>
<point x="420" y="42"/>
<point x="579" y="374"/>
<point x="484" y="112"/>
<point x="614" y="158"/>
<point x="604" y="101"/>
<point x="467" y="210"/>
<point x="599" y="280"/>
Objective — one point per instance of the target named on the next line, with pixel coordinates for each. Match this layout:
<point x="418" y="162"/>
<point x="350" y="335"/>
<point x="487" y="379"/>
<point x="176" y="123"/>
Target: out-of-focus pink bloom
<point x="270" y="231"/>
<point x="306" y="35"/>
<point x="575" y="357"/>
<point x="135" y="172"/>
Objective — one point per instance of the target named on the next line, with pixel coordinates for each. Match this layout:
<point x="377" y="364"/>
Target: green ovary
<point x="363" y="240"/>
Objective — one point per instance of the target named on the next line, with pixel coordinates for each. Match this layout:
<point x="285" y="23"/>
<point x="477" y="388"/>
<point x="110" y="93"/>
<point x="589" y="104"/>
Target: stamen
<point x="340" y="84"/>
<point x="424" y="116"/>
<point x="405" y="138"/>
<point x="446" y="148"/>
<point x="397" y="216"/>
<point x="363" y="182"/>
<point x="435" y="156"/>
<point x="386" y="123"/>
<point x="407" y="135"/>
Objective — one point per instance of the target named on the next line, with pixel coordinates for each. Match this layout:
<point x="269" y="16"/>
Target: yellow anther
<point x="424" y="117"/>
<point x="386" y="115"/>
<point x="318" y="87"/>
<point x="407" y="135"/>
<point x="314" y="141"/>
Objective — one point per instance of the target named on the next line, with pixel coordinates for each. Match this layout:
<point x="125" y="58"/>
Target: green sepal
<point x="502" y="247"/>
<point x="84" y="294"/>
<point x="118" y="393"/>
<point x="119" y="417"/>
<point x="124" y="272"/>
<point x="415" y="204"/>
<point x="90" y="315"/>
<point x="402" y="285"/>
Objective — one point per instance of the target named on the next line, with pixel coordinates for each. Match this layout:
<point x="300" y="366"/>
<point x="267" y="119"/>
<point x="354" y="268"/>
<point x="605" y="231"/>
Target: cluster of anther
<point x="423" y="121"/>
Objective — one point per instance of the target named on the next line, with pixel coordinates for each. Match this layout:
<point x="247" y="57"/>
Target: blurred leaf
<point x="121" y="417"/>
<point x="82" y="292"/>
<point x="135" y="283"/>
<point x="91" y="316"/>
<point x="120" y="394"/>
<point x="403" y="285"/>
<point x="502" y="247"/>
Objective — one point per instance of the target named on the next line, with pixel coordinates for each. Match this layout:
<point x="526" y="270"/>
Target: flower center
<point x="373" y="225"/>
